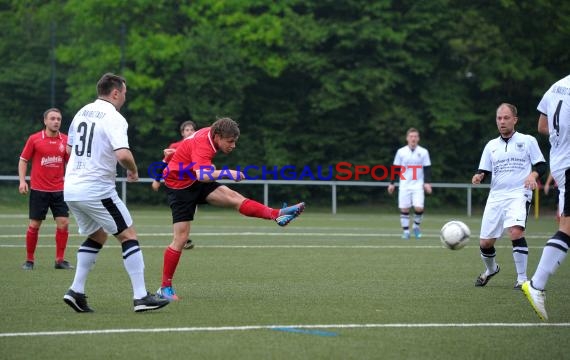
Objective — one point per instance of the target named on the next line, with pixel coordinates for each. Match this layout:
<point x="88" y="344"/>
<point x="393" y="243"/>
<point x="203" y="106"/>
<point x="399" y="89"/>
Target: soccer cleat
<point x="536" y="299"/>
<point x="28" y="265"/>
<point x="63" y="265"/>
<point x="418" y="233"/>
<point x="406" y="235"/>
<point x="76" y="301"/>
<point x="150" y="302"/>
<point x="518" y="285"/>
<point x="288" y="214"/>
<point x="167" y="293"/>
<point x="189" y="245"/>
<point x="483" y="279"/>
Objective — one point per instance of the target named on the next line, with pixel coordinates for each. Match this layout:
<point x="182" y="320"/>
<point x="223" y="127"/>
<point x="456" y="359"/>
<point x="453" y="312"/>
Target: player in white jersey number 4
<point x="554" y="120"/>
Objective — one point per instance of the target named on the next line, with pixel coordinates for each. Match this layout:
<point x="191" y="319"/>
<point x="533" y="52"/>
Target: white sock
<point x="134" y="264"/>
<point x="86" y="257"/>
<point x="405" y="221"/>
<point x="520" y="255"/>
<point x="552" y="257"/>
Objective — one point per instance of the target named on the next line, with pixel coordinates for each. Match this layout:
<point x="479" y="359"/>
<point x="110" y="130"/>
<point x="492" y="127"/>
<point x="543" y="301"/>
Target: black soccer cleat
<point x="189" y="245"/>
<point x="150" y="302"/>
<point x="77" y="301"/>
<point x="483" y="279"/>
<point x="64" y="264"/>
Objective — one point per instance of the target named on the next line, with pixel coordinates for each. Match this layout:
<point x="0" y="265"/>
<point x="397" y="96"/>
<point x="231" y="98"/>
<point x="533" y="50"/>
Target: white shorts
<point x="562" y="179"/>
<point x="411" y="197"/>
<point x="502" y="214"/>
<point x="111" y="214"/>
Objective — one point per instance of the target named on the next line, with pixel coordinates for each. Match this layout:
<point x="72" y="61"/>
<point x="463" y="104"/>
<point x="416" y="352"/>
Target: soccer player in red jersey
<point x="191" y="180"/>
<point x="46" y="150"/>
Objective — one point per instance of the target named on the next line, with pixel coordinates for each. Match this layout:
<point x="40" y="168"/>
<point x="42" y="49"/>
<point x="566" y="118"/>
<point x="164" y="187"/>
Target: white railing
<point x="333" y="184"/>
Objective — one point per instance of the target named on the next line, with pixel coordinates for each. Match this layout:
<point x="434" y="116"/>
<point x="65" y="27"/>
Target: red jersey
<point x="49" y="157"/>
<point x="194" y="152"/>
<point x="175" y="145"/>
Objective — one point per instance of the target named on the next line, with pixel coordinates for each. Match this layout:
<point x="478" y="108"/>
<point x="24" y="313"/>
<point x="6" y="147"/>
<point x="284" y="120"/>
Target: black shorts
<point x="183" y="202"/>
<point x="40" y="201"/>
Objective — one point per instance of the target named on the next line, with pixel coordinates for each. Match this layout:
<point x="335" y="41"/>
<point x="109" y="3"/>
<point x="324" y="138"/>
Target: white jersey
<point x="510" y="162"/>
<point x="413" y="160"/>
<point x="97" y="130"/>
<point x="555" y="104"/>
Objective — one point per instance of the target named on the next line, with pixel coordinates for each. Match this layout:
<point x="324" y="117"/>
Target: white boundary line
<point x="271" y="234"/>
<point x="407" y="246"/>
<point x="280" y="327"/>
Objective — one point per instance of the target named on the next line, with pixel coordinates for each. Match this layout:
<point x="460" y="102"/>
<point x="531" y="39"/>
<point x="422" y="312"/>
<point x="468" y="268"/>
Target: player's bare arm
<point x="477" y="178"/>
<point x="126" y="159"/>
<point x="22" y="170"/>
<point x="543" y="124"/>
<point x="530" y="182"/>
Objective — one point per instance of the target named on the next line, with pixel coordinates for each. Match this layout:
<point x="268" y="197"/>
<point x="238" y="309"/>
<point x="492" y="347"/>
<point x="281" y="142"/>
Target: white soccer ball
<point x="455" y="234"/>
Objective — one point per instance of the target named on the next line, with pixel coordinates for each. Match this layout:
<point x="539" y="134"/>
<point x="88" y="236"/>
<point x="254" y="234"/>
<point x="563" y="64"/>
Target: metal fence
<point x="122" y="182"/>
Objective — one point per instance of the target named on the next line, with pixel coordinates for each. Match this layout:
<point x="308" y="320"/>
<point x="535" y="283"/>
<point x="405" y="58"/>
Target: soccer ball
<point x="454" y="235"/>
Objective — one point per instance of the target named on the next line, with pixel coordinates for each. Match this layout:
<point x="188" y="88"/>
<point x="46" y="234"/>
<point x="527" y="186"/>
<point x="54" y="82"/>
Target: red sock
<point x="31" y="242"/>
<point x="61" y="236"/>
<point x="254" y="209"/>
<point x="171" y="258"/>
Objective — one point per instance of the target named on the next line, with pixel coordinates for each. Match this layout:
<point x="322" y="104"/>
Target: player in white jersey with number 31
<point x="97" y="140"/>
<point x="554" y="121"/>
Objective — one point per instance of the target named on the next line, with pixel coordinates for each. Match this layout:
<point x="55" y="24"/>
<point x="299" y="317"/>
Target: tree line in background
<point x="310" y="82"/>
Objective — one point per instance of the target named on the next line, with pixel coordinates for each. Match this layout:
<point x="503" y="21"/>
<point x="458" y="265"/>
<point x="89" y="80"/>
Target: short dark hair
<point x="108" y="83"/>
<point x="187" y="123"/>
<point x="50" y="110"/>
<point x="412" y="130"/>
<point x="226" y="128"/>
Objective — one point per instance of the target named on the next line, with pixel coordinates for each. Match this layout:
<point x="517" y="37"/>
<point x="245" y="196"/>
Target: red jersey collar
<point x="44" y="135"/>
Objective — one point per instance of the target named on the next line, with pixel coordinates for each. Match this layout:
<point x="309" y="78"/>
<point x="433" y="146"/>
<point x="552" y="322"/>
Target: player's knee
<point x="516" y="232"/>
<point x="62" y="223"/>
<point x="486" y="243"/>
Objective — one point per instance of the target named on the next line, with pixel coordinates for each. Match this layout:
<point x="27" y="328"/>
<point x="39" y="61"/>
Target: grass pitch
<point x="327" y="286"/>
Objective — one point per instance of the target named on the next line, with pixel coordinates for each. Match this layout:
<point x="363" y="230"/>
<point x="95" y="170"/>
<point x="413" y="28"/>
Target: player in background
<point x="97" y="142"/>
<point x="191" y="180"/>
<point x="415" y="181"/>
<point x="514" y="162"/>
<point x="554" y="120"/>
<point x="46" y="150"/>
<point x="187" y="128"/>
